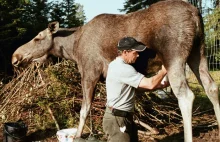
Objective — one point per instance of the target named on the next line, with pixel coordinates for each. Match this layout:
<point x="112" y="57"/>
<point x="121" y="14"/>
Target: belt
<point x="117" y="112"/>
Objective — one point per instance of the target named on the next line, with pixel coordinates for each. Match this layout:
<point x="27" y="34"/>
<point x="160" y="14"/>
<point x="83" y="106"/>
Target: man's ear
<point x="53" y="27"/>
<point x="125" y="52"/>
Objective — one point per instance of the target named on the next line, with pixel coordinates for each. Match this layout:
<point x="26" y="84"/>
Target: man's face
<point x="130" y="56"/>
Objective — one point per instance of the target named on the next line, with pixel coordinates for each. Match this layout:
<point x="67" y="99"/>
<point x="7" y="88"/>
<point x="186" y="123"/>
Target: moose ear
<point x="53" y="27"/>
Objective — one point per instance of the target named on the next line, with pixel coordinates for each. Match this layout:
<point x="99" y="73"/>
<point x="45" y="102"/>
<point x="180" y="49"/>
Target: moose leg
<point x="88" y="87"/>
<point x="184" y="95"/>
<point x="200" y="68"/>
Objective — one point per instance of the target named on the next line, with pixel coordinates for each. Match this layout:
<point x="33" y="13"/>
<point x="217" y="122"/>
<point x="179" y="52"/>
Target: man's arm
<point x="154" y="82"/>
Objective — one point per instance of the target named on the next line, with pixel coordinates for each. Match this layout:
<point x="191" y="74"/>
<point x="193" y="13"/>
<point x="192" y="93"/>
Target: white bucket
<point x="66" y="135"/>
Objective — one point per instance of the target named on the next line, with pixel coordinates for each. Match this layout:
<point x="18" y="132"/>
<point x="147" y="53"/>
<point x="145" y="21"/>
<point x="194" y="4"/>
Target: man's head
<point x="129" y="43"/>
<point x="129" y="48"/>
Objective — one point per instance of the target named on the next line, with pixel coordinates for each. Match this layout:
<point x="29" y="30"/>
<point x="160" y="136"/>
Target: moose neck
<point x="63" y="44"/>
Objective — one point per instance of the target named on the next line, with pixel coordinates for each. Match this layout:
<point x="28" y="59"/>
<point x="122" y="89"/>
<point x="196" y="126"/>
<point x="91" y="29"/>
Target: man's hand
<point x="163" y="69"/>
<point x="165" y="84"/>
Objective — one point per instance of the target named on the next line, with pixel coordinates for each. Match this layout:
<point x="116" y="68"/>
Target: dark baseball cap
<point x="129" y="43"/>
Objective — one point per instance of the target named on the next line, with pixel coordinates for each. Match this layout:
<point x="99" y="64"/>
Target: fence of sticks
<point x="49" y="97"/>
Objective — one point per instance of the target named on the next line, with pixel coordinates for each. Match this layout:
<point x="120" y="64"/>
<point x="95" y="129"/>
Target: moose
<point x="172" y="28"/>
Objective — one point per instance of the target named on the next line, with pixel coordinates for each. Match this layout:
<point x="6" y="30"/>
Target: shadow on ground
<point x="41" y="135"/>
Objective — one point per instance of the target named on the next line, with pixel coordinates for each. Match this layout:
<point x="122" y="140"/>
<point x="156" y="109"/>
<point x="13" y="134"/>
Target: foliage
<point x="68" y="13"/>
<point x="134" y="5"/>
<point x="10" y="30"/>
<point x="216" y="3"/>
<point x="57" y="13"/>
<point x="212" y="31"/>
<point x="212" y="26"/>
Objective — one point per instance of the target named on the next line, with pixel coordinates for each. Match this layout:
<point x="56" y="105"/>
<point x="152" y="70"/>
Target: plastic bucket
<point x="66" y="135"/>
<point x="14" y="131"/>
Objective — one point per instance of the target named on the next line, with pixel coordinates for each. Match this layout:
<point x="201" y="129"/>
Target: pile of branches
<point x="51" y="96"/>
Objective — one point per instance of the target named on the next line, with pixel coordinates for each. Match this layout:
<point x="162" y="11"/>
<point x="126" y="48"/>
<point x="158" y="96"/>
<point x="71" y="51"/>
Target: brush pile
<point x="50" y="98"/>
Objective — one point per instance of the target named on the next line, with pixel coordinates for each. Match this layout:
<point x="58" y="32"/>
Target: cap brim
<point x="139" y="48"/>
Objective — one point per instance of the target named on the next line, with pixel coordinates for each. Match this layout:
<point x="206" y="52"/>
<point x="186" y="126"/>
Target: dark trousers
<point x="112" y="124"/>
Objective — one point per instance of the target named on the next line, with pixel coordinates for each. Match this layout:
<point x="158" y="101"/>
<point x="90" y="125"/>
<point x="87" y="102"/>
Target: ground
<point x="206" y="132"/>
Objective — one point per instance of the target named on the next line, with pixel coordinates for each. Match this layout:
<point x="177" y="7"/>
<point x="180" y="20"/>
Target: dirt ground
<point x="203" y="123"/>
<point x="199" y="135"/>
<point x="206" y="132"/>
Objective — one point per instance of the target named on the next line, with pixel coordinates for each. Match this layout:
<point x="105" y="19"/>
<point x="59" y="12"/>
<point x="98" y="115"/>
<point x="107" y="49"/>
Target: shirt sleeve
<point x="130" y="76"/>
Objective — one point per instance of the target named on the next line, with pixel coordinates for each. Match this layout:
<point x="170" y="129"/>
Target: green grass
<point x="201" y="101"/>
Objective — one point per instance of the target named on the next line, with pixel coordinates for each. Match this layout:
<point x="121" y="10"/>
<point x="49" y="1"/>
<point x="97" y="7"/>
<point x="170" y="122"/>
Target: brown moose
<point x="174" y="29"/>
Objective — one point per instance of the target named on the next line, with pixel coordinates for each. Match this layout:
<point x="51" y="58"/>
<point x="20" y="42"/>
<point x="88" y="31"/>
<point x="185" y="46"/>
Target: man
<point x="121" y="83"/>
